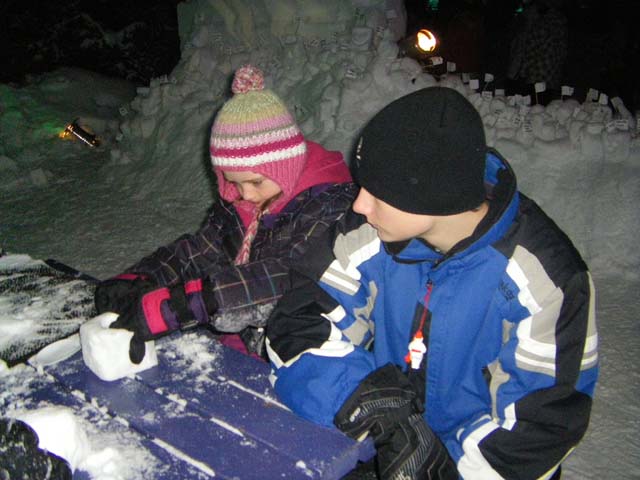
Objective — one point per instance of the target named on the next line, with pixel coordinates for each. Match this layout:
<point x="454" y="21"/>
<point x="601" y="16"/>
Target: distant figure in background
<point x="277" y="192"/>
<point x="499" y="18"/>
<point x="463" y="38"/>
<point x="539" y="47"/>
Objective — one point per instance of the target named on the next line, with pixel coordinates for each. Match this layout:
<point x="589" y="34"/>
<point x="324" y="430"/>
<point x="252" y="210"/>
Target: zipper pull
<point x="417" y="349"/>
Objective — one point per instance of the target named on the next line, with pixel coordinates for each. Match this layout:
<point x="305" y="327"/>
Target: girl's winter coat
<point x="247" y="293"/>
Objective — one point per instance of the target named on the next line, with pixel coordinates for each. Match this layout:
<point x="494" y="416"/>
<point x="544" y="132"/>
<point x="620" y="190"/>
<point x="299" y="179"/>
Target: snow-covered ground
<point x="100" y="209"/>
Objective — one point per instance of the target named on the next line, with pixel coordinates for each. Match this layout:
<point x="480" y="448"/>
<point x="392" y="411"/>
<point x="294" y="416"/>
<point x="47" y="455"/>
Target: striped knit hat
<point x="255" y="132"/>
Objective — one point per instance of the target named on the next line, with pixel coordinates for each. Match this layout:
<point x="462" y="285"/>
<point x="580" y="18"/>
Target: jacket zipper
<point x="417" y="348"/>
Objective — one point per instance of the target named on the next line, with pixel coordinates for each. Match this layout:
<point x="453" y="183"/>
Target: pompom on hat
<point x="254" y="131"/>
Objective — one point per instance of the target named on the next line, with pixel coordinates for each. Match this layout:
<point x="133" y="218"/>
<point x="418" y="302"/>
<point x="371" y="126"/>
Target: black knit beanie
<point x="424" y="153"/>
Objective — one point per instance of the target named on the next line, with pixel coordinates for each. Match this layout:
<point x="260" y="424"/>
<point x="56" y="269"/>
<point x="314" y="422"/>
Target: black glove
<point x="150" y="311"/>
<point x="412" y="450"/>
<point x="387" y="407"/>
<point x="20" y="456"/>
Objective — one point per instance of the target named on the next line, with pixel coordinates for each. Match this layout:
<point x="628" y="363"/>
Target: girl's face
<point x="253" y="187"/>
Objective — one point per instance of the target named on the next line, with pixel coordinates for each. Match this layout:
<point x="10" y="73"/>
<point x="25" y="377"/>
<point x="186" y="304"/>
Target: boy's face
<point x="253" y="187"/>
<point x="392" y="225"/>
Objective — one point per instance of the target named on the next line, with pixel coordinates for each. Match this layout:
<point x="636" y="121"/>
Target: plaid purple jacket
<point x="246" y="294"/>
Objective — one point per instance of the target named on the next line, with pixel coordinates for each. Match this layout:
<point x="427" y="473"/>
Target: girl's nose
<point x="249" y="194"/>
<point x="246" y="194"/>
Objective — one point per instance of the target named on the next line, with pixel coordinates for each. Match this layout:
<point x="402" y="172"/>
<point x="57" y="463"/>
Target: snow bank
<point x="318" y="56"/>
<point x="335" y="64"/>
<point x="33" y="116"/>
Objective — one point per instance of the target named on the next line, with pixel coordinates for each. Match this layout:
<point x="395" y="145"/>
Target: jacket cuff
<point x="201" y="300"/>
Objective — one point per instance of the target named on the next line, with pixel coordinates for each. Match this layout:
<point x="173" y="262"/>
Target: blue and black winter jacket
<point x="511" y="362"/>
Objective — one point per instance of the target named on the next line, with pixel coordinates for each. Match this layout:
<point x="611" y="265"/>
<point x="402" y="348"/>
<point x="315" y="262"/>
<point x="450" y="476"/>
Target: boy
<point x="452" y="320"/>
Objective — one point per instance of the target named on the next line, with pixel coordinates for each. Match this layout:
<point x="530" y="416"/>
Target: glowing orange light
<point x="74" y="129"/>
<point x="426" y="41"/>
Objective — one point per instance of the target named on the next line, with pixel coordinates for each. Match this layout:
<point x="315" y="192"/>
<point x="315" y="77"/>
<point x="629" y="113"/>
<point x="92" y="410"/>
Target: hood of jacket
<point x="322" y="167"/>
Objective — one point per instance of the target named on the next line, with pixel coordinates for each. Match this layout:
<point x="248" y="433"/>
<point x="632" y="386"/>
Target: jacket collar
<point x="322" y="167"/>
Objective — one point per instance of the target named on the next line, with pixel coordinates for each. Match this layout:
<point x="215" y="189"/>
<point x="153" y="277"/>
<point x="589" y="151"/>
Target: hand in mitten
<point x="150" y="311"/>
<point x="413" y="451"/>
<point x="381" y="400"/>
<point x="20" y="456"/>
<point x="386" y="406"/>
<point x="112" y="293"/>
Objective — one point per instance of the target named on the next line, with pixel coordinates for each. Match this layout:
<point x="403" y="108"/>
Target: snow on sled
<point x="39" y="304"/>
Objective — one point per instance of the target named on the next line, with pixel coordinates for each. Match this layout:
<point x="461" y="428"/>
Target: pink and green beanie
<point x="255" y="132"/>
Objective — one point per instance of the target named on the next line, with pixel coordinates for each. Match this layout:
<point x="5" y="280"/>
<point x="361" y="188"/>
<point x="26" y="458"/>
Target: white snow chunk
<point x="106" y="350"/>
<point x="59" y="432"/>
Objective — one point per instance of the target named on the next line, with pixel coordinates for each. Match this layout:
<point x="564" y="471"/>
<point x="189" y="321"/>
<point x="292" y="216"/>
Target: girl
<point x="277" y="192"/>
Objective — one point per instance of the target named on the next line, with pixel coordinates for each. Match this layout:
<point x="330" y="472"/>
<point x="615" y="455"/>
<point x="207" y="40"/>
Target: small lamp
<point x="74" y="129"/>
<point x="426" y="41"/>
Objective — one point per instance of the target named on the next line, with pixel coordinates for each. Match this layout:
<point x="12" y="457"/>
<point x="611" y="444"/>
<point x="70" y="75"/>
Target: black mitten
<point x="21" y="458"/>
<point x="413" y="451"/>
<point x="387" y="407"/>
<point x="111" y="293"/>
<point x="382" y="399"/>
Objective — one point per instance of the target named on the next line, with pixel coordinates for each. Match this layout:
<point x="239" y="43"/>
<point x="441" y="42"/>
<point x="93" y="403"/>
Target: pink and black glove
<point x="150" y="311"/>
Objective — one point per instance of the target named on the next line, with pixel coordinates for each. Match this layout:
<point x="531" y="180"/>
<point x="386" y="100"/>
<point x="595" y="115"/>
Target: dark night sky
<point x="604" y="41"/>
<point x="38" y="36"/>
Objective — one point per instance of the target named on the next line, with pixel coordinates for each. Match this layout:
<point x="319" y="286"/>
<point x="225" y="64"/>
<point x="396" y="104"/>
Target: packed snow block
<point x="106" y="350"/>
<point x="39" y="305"/>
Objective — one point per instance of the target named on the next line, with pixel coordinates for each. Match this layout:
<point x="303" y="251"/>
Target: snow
<point x="183" y="456"/>
<point x="84" y="436"/>
<point x="106" y="350"/>
<point x="48" y="422"/>
<point x="334" y="63"/>
<point x="38" y="306"/>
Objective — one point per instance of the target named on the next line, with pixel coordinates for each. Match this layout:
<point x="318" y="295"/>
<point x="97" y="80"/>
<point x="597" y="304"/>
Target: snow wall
<point x="332" y="62"/>
<point x="335" y="64"/>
